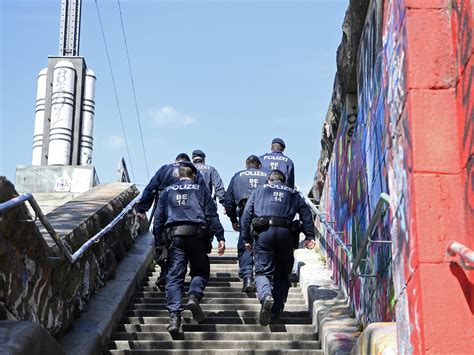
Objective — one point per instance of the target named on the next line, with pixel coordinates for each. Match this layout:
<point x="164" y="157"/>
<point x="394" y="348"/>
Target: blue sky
<point x="222" y="76"/>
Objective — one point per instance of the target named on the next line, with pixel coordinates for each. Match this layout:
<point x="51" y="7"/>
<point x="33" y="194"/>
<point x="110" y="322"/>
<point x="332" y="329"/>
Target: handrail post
<point x="384" y="199"/>
<point x="71" y="258"/>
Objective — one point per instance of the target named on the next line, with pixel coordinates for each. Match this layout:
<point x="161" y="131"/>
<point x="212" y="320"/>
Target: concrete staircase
<point x="232" y="323"/>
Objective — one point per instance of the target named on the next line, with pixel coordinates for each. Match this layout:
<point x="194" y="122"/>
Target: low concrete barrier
<point x="35" y="283"/>
<point x="329" y="308"/>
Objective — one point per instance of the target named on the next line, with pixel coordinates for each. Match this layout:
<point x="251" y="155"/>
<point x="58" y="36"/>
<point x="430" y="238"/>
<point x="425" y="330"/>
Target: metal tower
<point x="70" y="30"/>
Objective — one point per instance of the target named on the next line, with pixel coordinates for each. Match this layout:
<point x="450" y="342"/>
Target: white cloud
<point x="114" y="142"/>
<point x="167" y="115"/>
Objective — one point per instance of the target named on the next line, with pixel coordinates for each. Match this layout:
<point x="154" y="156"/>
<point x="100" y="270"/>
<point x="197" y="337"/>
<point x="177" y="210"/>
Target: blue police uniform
<point x="242" y="184"/>
<point x="273" y="247"/>
<point x="166" y="176"/>
<point x="278" y="161"/>
<point x="183" y="208"/>
<point x="212" y="180"/>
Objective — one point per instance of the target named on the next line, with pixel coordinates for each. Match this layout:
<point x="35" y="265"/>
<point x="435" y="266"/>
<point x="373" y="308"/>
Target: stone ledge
<point x="92" y="330"/>
<point x="378" y="339"/>
<point x="19" y="338"/>
<point x="35" y="287"/>
<point x="329" y="308"/>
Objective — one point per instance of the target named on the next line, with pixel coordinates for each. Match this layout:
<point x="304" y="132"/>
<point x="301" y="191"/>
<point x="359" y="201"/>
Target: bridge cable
<point x="115" y="87"/>
<point x="133" y="89"/>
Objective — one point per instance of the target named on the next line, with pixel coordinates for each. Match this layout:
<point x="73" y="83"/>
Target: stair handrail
<point x="122" y="171"/>
<point x="71" y="258"/>
<point x="383" y="200"/>
<point x="466" y="255"/>
<point x="321" y="215"/>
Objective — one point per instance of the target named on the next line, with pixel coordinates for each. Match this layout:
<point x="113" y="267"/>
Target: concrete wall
<point x="35" y="286"/>
<point x="413" y="139"/>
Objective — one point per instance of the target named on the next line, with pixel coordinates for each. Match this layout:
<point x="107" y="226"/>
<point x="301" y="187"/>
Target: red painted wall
<point x="439" y="109"/>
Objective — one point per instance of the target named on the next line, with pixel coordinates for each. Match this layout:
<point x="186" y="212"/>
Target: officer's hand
<point x="235" y="226"/>
<point x="163" y="254"/>
<point x="141" y="215"/>
<point x="309" y="243"/>
<point x="248" y="246"/>
<point x="221" y="248"/>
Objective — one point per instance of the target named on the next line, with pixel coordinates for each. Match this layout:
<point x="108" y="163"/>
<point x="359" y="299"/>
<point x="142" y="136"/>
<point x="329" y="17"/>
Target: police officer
<point x="211" y="177"/>
<point x="165" y="176"/>
<point x="187" y="216"/>
<point x="242" y="184"/>
<point x="270" y="210"/>
<point x="276" y="160"/>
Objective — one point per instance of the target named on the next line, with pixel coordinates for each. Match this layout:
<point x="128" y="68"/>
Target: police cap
<point x="188" y="164"/>
<point x="198" y="153"/>
<point x="279" y="141"/>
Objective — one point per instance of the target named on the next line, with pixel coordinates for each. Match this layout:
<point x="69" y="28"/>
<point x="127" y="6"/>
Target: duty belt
<point x="184" y="230"/>
<point x="279" y="222"/>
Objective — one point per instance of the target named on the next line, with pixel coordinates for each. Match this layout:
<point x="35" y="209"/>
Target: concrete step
<point x="213" y="274"/>
<point x="214" y="300"/>
<point x="216" y="352"/>
<point x="162" y="295"/>
<point x="210" y="320"/>
<point x="210" y="283"/>
<point x="223" y="260"/>
<point x="210" y="311"/>
<point x="209" y="288"/>
<point x="221" y="328"/>
<point x="212" y="279"/>
<point x="164" y="335"/>
<point x="214" y="344"/>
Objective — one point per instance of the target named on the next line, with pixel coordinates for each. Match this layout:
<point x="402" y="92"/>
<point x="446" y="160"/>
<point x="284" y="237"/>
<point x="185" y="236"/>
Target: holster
<point x="259" y="225"/>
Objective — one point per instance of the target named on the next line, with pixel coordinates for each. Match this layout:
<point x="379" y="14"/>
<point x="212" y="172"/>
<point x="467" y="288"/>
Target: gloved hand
<point x="162" y="253"/>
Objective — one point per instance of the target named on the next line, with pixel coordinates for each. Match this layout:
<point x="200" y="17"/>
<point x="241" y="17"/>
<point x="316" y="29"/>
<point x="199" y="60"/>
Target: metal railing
<point x="122" y="171"/>
<point x="383" y="200"/>
<point x="329" y="228"/>
<point x="71" y="258"/>
<point x="466" y="255"/>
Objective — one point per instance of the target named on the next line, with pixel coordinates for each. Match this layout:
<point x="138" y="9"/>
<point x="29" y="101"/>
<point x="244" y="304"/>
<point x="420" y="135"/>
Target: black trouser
<point x="192" y="249"/>
<point x="273" y="262"/>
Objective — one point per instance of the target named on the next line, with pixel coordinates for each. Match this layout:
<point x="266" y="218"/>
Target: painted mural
<point x="375" y="153"/>
<point x="356" y="177"/>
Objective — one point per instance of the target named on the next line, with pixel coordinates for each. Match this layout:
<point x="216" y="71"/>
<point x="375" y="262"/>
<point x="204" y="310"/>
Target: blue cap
<point x="188" y="164"/>
<point x="279" y="141"/>
<point x="198" y="153"/>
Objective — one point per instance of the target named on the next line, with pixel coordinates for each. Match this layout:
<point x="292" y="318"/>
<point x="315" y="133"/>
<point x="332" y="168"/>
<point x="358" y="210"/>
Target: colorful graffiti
<point x="377" y="154"/>
<point x="357" y="176"/>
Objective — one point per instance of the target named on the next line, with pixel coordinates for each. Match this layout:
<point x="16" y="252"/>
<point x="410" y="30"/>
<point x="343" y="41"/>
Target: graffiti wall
<point x="357" y="176"/>
<point x="412" y="136"/>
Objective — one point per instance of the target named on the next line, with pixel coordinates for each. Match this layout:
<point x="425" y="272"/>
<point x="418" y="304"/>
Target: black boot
<point x="195" y="308"/>
<point x="266" y="310"/>
<point x="248" y="285"/>
<point x="276" y="317"/>
<point x="175" y="323"/>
